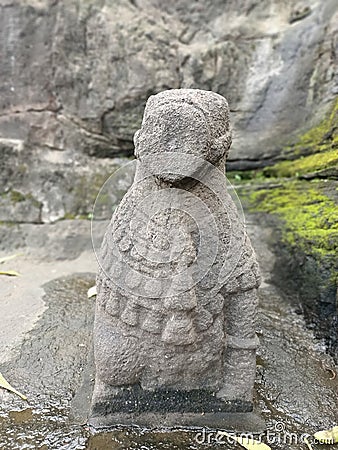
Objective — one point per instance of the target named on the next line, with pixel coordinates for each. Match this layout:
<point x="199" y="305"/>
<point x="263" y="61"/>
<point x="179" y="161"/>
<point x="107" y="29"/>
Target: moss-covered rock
<point x="16" y="206"/>
<point x="310" y="216"/>
<point x="323" y="163"/>
<point x="306" y="222"/>
<point x="301" y="195"/>
<point x="323" y="136"/>
<point x="314" y="154"/>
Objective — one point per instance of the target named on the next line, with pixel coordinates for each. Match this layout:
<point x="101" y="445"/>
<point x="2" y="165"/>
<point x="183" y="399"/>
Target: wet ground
<point x="45" y="352"/>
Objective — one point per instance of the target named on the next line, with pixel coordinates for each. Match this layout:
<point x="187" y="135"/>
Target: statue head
<point x="188" y="121"/>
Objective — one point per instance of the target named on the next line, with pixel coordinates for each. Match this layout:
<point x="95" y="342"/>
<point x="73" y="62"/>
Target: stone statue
<point x="174" y="332"/>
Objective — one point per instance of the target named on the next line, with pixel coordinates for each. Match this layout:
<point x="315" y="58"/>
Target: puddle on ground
<point x="295" y="391"/>
<point x="23" y="416"/>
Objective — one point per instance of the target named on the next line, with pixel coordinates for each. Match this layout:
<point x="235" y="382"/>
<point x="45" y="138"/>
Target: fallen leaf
<point x="10" y="273"/>
<point x="306" y="441"/>
<point x="91" y="292"/>
<point x="4" y="384"/>
<point x="327" y="436"/>
<point x="246" y="442"/>
<point x="7" y="258"/>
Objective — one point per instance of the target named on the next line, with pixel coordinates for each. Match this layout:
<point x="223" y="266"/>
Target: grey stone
<point x="175" y="327"/>
<point x="44" y="351"/>
<point x="75" y="76"/>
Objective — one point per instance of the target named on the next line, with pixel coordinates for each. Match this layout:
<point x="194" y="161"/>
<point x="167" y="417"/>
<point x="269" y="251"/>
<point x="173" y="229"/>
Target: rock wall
<point x="75" y="75"/>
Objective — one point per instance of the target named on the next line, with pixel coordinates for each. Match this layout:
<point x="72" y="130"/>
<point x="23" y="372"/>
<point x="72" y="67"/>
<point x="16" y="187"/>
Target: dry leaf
<point x="10" y="273"/>
<point x="306" y="441"/>
<point x="327" y="436"/>
<point x="4" y="384"/>
<point x="246" y="442"/>
<point x="91" y="292"/>
<point x="7" y="258"/>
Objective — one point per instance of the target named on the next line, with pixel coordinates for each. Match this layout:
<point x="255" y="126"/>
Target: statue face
<point x="184" y="121"/>
<point x="175" y="128"/>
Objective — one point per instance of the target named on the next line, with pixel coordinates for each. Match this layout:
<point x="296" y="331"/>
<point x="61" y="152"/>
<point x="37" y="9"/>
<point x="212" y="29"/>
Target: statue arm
<point x="239" y="358"/>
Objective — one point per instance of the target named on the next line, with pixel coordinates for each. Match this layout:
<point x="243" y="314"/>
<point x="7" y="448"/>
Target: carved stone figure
<point x="175" y="315"/>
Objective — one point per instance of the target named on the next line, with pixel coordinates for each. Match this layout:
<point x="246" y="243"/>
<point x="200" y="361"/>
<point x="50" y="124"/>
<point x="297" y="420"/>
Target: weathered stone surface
<point x="176" y="303"/>
<point x="43" y="354"/>
<point x="75" y="76"/>
<point x="42" y="186"/>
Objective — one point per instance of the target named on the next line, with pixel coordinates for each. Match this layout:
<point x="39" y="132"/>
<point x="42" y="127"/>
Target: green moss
<point x="307" y="164"/>
<point x="69" y="216"/>
<point x="8" y="224"/>
<point x="17" y="197"/>
<point x="238" y="177"/>
<point x="307" y="229"/>
<point x="22" y="169"/>
<point x="314" y="152"/>
<point x="327" y="129"/>
<point x="322" y="137"/>
<point x="84" y="193"/>
<point x="34" y="201"/>
<point x="103" y="199"/>
<point x="310" y="217"/>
